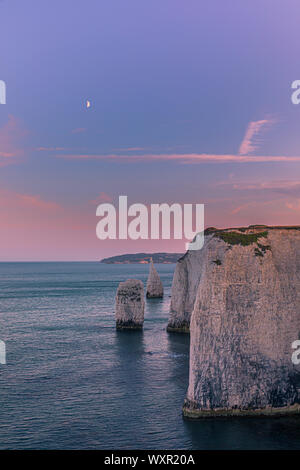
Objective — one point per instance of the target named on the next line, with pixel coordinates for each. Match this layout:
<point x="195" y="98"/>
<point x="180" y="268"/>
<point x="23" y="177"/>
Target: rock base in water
<point x="130" y="305"/>
<point x="128" y="326"/>
<point x="191" y="411"/>
<point x="178" y="328"/>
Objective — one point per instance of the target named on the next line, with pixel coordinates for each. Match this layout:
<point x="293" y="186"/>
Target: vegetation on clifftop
<point x="238" y="238"/>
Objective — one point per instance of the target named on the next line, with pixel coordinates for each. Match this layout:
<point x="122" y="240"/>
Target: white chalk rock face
<point x="186" y="280"/>
<point x="130" y="305"/>
<point x="245" y="318"/>
<point x="154" y="285"/>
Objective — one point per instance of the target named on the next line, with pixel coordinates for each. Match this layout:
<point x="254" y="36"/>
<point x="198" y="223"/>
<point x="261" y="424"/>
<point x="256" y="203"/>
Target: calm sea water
<point x="73" y="382"/>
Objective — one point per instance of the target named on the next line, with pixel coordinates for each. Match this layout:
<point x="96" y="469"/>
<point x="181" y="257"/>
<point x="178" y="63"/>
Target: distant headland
<point x="143" y="258"/>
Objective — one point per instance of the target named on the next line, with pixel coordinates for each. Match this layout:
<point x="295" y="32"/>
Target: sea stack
<point x="154" y="285"/>
<point x="130" y="305"/>
<point x="245" y="318"/>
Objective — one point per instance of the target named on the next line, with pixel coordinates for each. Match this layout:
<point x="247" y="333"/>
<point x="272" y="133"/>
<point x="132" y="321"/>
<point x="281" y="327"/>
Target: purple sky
<point x="190" y="102"/>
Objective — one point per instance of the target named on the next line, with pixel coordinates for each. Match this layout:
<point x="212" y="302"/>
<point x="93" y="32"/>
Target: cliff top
<point x="251" y="228"/>
<point x="244" y="235"/>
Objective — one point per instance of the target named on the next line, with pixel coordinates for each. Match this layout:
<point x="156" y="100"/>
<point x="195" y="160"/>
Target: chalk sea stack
<point x="155" y="288"/>
<point x="130" y="305"/>
<point x="244" y="320"/>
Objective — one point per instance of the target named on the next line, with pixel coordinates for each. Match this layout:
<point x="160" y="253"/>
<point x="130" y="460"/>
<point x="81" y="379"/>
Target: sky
<point x="190" y="103"/>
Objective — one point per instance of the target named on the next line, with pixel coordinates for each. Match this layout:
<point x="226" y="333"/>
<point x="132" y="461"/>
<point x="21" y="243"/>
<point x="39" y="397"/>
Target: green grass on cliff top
<point x="244" y="239"/>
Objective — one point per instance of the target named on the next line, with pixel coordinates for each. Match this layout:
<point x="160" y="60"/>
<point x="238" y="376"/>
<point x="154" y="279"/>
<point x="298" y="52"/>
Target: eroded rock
<point x="130" y="305"/>
<point x="154" y="285"/>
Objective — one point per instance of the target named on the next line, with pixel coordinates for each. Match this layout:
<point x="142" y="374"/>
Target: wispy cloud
<point x="78" y="130"/>
<point x="11" y="135"/>
<point x="252" y="137"/>
<point x="102" y="197"/>
<point x="11" y="199"/>
<point x="293" y="205"/>
<point x="242" y="207"/>
<point x="254" y="205"/>
<point x="50" y="149"/>
<point x="249" y="144"/>
<point x="280" y="185"/>
<point x="289" y="188"/>
<point x="129" y="149"/>
<point x="183" y="158"/>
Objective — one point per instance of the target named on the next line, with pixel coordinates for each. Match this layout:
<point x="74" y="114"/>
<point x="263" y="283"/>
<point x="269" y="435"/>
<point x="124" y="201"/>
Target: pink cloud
<point x="272" y="185"/>
<point x="130" y="149"/>
<point x="251" y="139"/>
<point x="183" y="158"/>
<point x="33" y="228"/>
<point x="50" y="149"/>
<point x="11" y="136"/>
<point x="78" y="130"/>
<point x="242" y="207"/>
<point x="10" y="199"/>
<point x="272" y="212"/>
<point x="289" y="188"/>
<point x="102" y="197"/>
<point x="294" y="205"/>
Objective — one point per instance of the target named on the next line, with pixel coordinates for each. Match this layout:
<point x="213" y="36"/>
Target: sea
<point x="71" y="381"/>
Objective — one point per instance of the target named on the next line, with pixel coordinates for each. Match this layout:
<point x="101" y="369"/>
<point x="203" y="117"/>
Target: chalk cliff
<point x="154" y="285"/>
<point x="187" y="275"/>
<point x="130" y="305"/>
<point x="245" y="284"/>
